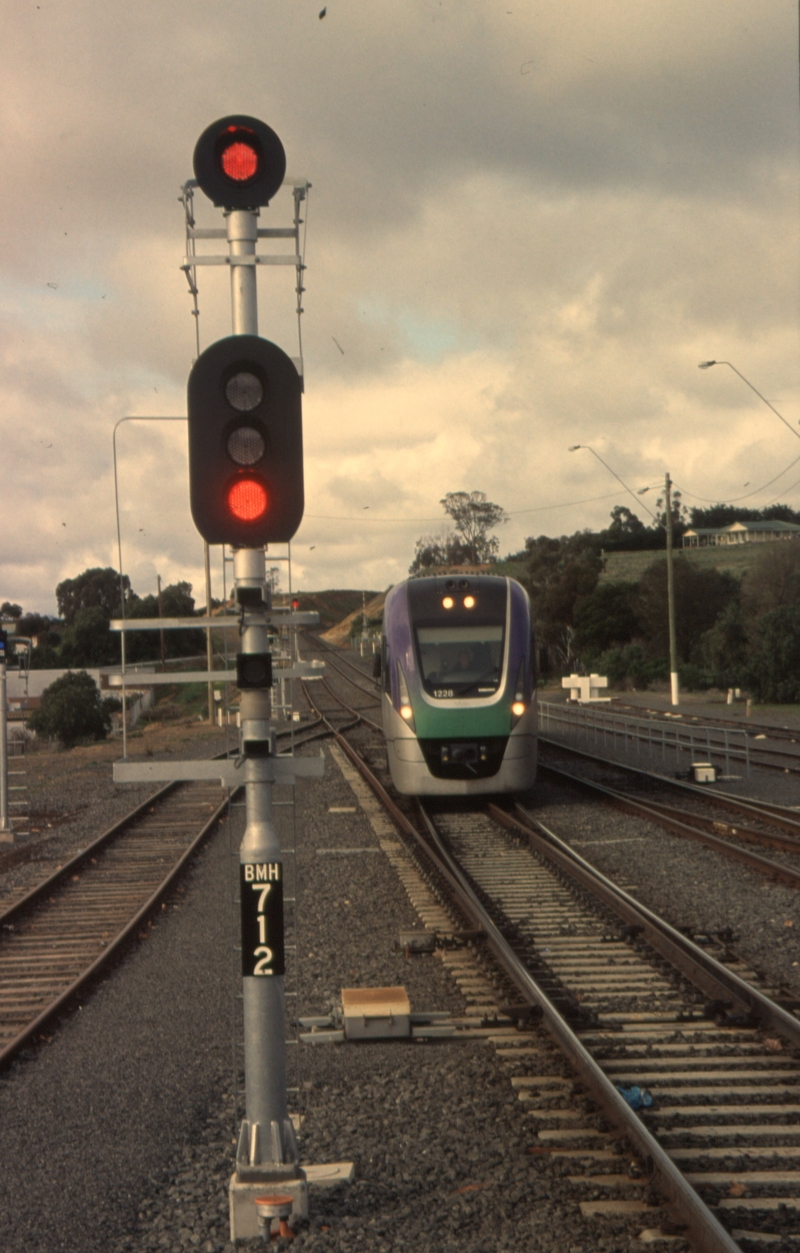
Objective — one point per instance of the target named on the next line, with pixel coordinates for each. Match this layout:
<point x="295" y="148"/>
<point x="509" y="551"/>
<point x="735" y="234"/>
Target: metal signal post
<point x="267" y="1149"/>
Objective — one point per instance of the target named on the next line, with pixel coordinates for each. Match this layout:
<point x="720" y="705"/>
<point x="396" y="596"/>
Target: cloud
<point x="525" y="230"/>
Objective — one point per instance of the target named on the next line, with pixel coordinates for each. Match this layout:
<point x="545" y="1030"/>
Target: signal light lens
<point x="244" y="391"/>
<point x="469" y="602"/>
<point x="239" y="158"/>
<point x="447" y="603"/>
<point x="246" y="446"/>
<point x="247" y="500"/>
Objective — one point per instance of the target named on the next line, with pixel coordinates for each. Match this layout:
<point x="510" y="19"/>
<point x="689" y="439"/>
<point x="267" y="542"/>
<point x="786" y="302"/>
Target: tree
<point x="70" y="710"/>
<point x="628" y="533"/>
<point x="9" y="610"/>
<point x="88" y="641"/>
<point x="774" y="669"/>
<point x="95" y="588"/>
<point x="700" y="597"/>
<point x="176" y="602"/>
<point x="474" y="516"/>
<point x="433" y="551"/>
<point x="561" y="573"/>
<point x="606" y="618"/>
<point x="773" y="581"/>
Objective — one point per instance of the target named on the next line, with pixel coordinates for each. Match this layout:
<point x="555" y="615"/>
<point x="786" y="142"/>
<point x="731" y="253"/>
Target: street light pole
<point x="706" y="365"/>
<point x="673" y="649"/>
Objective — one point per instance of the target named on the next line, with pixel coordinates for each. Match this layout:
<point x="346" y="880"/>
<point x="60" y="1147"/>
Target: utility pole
<point x="161" y="632"/>
<point x="673" y="648"/>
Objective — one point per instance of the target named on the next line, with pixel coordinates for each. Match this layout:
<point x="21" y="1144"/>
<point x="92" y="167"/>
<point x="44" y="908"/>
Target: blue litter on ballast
<point x="637" y="1098"/>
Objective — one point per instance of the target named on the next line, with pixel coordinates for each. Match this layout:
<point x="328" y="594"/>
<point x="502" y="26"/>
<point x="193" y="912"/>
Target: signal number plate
<point x="261" y="885"/>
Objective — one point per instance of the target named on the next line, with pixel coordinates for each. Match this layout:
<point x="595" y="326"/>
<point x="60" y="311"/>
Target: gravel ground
<point x="692" y="887"/>
<point x="118" y="1135"/>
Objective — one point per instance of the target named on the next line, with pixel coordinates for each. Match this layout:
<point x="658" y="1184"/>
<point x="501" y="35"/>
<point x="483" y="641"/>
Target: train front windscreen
<point x="460" y="637"/>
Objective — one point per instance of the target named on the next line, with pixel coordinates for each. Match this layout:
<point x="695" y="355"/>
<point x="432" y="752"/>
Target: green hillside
<point x="629" y="567"/>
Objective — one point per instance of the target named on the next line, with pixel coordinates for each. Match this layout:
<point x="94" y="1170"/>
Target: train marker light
<point x="245" y="443"/>
<point x="469" y="602"/>
<point x="239" y="162"/>
<point x="447" y="603"/>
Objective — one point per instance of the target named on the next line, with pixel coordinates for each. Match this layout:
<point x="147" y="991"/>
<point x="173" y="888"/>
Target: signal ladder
<point x="19" y="806"/>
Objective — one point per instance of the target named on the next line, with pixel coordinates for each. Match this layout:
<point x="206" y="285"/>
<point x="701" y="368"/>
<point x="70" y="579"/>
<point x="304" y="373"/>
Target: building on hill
<point x="739" y="533"/>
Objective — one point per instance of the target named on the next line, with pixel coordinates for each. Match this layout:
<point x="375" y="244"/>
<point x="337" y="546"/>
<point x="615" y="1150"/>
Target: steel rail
<point x="327" y="649"/>
<point x="710" y="1235"/>
<point x="780" y="815"/>
<point x="114" y="946"/>
<point x="710" y="975"/>
<point x="85" y="854"/>
<point x="682" y="826"/>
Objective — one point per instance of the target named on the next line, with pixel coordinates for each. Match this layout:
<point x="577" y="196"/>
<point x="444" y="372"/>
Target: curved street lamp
<point x="706" y="365"/>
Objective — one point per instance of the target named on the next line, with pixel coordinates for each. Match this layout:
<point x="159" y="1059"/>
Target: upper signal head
<point x="239" y="162"/>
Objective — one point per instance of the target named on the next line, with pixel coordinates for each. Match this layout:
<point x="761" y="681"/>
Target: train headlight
<point x="469" y="602"/>
<point x="406" y="711"/>
<point x="448" y="602"/>
<point x="519" y="704"/>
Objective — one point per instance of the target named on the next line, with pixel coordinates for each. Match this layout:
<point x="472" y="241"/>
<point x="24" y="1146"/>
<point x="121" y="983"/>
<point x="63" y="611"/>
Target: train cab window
<point x="460" y="661"/>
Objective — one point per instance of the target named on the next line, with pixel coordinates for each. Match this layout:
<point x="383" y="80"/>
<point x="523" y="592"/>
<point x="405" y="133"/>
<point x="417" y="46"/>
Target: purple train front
<point x="459" y="686"/>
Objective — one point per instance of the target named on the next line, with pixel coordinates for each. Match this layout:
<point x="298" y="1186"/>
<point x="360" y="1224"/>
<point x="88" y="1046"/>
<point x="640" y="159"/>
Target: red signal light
<point x="247" y="500"/>
<point x="239" y="160"/>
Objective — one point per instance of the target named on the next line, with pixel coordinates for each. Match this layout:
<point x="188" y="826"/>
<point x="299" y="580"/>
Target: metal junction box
<point x="376" y="1013"/>
<point x="704" y="772"/>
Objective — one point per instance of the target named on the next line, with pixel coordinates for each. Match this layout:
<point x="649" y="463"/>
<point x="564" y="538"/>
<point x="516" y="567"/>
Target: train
<point x="458" y="676"/>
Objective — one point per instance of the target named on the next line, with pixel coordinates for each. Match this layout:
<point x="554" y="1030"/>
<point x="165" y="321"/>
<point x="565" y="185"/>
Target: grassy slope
<point x="629" y="567"/>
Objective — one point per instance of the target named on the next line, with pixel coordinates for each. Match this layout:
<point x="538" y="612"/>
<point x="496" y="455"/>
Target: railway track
<point x="61" y="934"/>
<point x="632" y="1004"/>
<point x="692" y="812"/>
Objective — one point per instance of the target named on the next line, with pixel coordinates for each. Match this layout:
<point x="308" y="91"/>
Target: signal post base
<point x="242" y="1195"/>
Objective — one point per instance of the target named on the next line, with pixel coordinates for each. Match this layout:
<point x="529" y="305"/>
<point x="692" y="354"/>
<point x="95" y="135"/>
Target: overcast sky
<point x="529" y="222"/>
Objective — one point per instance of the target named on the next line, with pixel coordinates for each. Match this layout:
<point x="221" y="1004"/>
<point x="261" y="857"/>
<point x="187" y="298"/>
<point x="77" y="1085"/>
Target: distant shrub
<point x="694" y="678"/>
<point x="70" y="710"/>
<point x="629" y="664"/>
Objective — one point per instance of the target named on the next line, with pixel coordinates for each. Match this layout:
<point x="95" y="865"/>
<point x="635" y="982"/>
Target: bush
<point x="694" y="678"/>
<point x="630" y="663"/>
<point x="70" y="710"/>
<point x="774" y="672"/>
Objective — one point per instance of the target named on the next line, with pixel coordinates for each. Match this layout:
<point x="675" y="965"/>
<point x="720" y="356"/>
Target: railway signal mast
<point x="246" y="482"/>
<point x="246" y="485"/>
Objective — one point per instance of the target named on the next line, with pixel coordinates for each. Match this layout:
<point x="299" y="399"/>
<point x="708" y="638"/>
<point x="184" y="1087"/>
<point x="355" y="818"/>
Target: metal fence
<point x="671" y="743"/>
